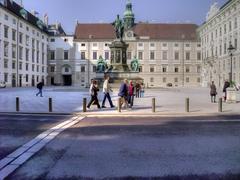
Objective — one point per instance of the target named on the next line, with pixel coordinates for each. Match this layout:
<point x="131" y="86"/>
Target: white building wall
<point x="22" y="76"/>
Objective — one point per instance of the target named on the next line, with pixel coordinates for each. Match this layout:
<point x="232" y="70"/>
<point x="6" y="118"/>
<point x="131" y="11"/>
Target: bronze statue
<point x="119" y="28"/>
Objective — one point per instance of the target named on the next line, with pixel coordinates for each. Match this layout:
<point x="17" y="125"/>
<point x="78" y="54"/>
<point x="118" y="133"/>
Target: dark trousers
<point x="213" y="98"/>
<point x="107" y="96"/>
<point x="137" y="93"/>
<point x="39" y="92"/>
<point x="130" y="100"/>
<point x="94" y="100"/>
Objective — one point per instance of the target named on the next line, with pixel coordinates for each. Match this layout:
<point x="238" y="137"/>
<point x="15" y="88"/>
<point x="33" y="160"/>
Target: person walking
<point x="94" y="95"/>
<point x="225" y="86"/>
<point x="142" y="90"/>
<point x="40" y="87"/>
<point x="213" y="92"/>
<point x="123" y="93"/>
<point x="138" y="87"/>
<point x="130" y="94"/>
<point x="106" y="91"/>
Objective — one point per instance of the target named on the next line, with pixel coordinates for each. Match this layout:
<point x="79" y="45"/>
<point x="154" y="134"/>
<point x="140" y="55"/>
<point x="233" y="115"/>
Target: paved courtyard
<point x="180" y="148"/>
<point x="69" y="100"/>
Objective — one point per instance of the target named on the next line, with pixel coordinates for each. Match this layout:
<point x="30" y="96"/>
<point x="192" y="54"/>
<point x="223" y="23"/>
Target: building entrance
<point x="67" y="80"/>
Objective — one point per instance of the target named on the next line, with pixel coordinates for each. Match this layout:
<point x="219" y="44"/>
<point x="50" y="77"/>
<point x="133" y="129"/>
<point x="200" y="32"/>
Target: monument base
<point x="233" y="96"/>
<point x="116" y="78"/>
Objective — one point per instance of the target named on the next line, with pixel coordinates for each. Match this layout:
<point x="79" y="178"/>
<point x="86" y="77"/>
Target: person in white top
<point x="106" y="91"/>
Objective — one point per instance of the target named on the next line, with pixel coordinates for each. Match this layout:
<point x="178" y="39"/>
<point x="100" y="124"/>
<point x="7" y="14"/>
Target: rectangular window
<point x="27" y="40"/>
<point x="5" y="31"/>
<point x="83" y="44"/>
<point x="27" y="54"/>
<point x="20" y="38"/>
<point x="94" y="68"/>
<point x="37" y="56"/>
<point x="187" y="69"/>
<point x="129" y="55"/>
<point x="187" y="45"/>
<point x="152" y="79"/>
<point x="187" y="79"/>
<point x="20" y="52"/>
<point x="106" y="55"/>
<point x="175" y="80"/>
<point x="152" y="44"/>
<point x="26" y="66"/>
<point x="187" y="55"/>
<point x="83" y="55"/>
<point x="198" y="69"/>
<point x="5" y="63"/>
<point x="65" y="55"/>
<point x="52" y="68"/>
<point x="152" y="69"/>
<point x="164" y="79"/>
<point x="164" y="69"/>
<point x="176" y="55"/>
<point x="95" y="55"/>
<point x="225" y="48"/>
<point x="26" y="77"/>
<point x="82" y="68"/>
<point x="140" y="55"/>
<point x="176" y="45"/>
<point x="140" y="69"/>
<point x="13" y="65"/>
<point x="6" y="17"/>
<point x="33" y="67"/>
<point x="198" y="55"/>
<point x="6" y="49"/>
<point x="52" y="55"/>
<point x="152" y="55"/>
<point x="5" y="77"/>
<point x="164" y="55"/>
<point x="235" y="44"/>
<point x="14" y="21"/>
<point x="33" y="55"/>
<point x="14" y="35"/>
<point x="164" y="44"/>
<point x="14" y="51"/>
<point x="20" y="66"/>
<point x="176" y="69"/>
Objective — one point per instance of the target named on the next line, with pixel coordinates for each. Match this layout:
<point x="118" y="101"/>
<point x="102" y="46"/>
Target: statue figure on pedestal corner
<point x="135" y="64"/>
<point x="101" y="65"/>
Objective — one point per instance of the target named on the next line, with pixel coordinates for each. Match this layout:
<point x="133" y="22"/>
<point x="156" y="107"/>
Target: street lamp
<point x="231" y="49"/>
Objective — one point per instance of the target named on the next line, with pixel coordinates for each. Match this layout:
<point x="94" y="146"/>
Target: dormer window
<point x="40" y="24"/>
<point x="24" y="13"/>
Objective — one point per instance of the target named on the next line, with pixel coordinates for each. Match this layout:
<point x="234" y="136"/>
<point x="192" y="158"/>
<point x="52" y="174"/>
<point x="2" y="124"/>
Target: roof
<point x="153" y="31"/>
<point x="24" y="14"/>
<point x="94" y="31"/>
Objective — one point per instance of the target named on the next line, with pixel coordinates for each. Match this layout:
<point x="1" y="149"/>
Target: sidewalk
<point x="69" y="100"/>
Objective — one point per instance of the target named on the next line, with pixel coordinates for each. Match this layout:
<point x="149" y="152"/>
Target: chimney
<point x="45" y="19"/>
<point x="35" y="13"/>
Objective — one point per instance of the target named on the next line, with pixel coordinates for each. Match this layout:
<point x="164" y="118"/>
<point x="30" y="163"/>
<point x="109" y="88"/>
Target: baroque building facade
<point x="23" y="46"/>
<point x="167" y="53"/>
<point x="32" y="50"/>
<point x="222" y="28"/>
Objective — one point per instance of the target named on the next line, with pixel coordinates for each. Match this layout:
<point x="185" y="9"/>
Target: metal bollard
<point x="119" y="104"/>
<point x="84" y="104"/>
<point x="187" y="104"/>
<point x="17" y="104"/>
<point x="220" y="105"/>
<point x="50" y="109"/>
<point x="153" y="105"/>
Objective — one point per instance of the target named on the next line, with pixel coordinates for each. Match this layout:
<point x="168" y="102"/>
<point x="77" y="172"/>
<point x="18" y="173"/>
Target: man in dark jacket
<point x="123" y="92"/>
<point x="40" y="87"/>
<point x="226" y="85"/>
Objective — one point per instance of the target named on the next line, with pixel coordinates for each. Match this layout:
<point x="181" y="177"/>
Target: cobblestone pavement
<point x="121" y="147"/>
<point x="69" y="100"/>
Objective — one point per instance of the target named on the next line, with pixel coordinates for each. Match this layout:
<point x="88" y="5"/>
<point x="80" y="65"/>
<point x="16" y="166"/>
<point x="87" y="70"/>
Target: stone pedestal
<point x="119" y="56"/>
<point x="233" y="95"/>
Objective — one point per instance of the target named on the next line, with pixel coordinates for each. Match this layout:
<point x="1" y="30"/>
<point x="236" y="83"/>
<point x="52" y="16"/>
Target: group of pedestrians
<point x="127" y="91"/>
<point x="94" y="89"/>
<point x="213" y="91"/>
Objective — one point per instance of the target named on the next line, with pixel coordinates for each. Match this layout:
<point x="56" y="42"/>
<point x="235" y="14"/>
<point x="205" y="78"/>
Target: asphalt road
<point x="168" y="148"/>
<point x="16" y="130"/>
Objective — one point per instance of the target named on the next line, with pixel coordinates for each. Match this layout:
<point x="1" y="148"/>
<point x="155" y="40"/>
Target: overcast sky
<point x="67" y="12"/>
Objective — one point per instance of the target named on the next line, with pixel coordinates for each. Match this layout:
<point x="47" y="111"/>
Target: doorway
<point x="67" y="80"/>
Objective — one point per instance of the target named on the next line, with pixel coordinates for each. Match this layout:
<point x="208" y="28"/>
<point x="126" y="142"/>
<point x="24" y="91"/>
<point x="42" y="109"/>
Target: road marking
<point x="14" y="160"/>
